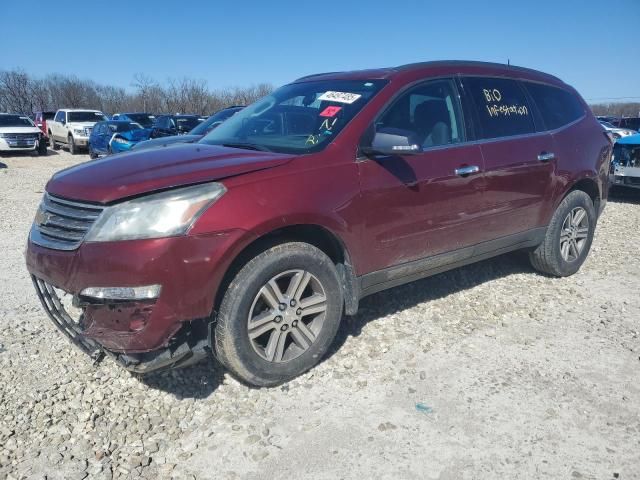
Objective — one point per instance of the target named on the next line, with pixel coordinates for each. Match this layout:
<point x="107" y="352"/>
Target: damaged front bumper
<point x="625" y="176"/>
<point x="189" y="346"/>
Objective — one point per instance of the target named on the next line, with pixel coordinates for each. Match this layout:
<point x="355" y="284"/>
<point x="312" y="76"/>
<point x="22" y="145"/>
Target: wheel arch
<point x="320" y="237"/>
<point x="589" y="186"/>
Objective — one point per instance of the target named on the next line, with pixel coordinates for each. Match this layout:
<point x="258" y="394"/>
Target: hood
<point x="165" y="141"/>
<point x="125" y="175"/>
<point x="136" y="135"/>
<point x="19" y="130"/>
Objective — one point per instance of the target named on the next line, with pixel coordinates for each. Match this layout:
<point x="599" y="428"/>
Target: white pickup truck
<point x="72" y="127"/>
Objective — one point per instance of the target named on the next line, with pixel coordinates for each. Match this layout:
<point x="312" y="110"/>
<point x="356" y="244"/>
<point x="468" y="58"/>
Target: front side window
<point x="501" y="105"/>
<point x="557" y="106"/>
<point x="428" y="112"/>
<point x="297" y="118"/>
<point x="59" y="117"/>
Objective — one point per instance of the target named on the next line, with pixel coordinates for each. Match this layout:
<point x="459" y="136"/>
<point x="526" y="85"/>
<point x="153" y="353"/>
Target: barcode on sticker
<point x="341" y="97"/>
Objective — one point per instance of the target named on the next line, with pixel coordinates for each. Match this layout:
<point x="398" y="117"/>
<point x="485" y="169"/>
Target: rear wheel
<point x="568" y="238"/>
<point x="279" y="314"/>
<point x="72" y="145"/>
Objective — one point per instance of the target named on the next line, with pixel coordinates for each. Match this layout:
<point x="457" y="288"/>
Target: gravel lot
<point x="490" y="371"/>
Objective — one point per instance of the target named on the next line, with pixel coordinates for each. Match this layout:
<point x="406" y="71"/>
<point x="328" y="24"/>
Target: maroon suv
<point x="255" y="241"/>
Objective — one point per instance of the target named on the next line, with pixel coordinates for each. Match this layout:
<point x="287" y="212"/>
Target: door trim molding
<point x="379" y="280"/>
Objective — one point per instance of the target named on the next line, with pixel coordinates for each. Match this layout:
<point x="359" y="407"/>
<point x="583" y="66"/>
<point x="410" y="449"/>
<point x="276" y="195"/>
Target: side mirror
<point x="392" y="141"/>
<point x="63" y="121"/>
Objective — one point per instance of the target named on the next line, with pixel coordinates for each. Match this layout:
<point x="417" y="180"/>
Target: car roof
<point x="80" y="110"/>
<point x="630" y="140"/>
<point x="445" y="66"/>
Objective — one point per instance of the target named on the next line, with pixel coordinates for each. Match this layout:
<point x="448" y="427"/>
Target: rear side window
<point x="557" y="106"/>
<point x="502" y="107"/>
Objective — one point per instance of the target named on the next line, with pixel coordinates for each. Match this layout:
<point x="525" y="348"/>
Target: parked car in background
<point x="18" y="133"/>
<point x="253" y="242"/>
<point x="616" y="132"/>
<point x="144" y="119"/>
<point x="40" y="119"/>
<point x="625" y="164"/>
<point x="167" y="125"/>
<point x="115" y="136"/>
<point x="194" y="135"/>
<point x="632" y="123"/>
<point x="607" y="118"/>
<point x="72" y="127"/>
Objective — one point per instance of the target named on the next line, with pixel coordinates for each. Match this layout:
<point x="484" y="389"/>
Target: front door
<point x="417" y="206"/>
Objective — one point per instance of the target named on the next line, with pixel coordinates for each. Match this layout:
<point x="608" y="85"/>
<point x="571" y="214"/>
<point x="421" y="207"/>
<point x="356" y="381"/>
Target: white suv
<point x="19" y="134"/>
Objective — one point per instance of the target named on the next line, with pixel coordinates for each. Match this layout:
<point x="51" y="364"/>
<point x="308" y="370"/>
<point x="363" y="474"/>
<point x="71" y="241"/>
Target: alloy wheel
<point x="574" y="234"/>
<point x="286" y="316"/>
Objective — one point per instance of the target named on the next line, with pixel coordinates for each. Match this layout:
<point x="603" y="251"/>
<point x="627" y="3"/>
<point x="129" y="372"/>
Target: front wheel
<point x="72" y="145"/>
<point x="42" y="148"/>
<point x="52" y="142"/>
<point x="568" y="238"/>
<point x="279" y="314"/>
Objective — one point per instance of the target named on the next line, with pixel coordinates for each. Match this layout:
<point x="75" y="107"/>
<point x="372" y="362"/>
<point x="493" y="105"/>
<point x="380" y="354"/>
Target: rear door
<point x="420" y="205"/>
<point x="519" y="160"/>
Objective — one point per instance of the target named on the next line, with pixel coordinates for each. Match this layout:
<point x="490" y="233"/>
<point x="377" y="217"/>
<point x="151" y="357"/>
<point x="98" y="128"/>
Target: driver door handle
<point x="467" y="170"/>
<point x="546" y="156"/>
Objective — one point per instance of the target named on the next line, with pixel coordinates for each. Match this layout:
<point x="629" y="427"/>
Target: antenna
<point x="508" y="62"/>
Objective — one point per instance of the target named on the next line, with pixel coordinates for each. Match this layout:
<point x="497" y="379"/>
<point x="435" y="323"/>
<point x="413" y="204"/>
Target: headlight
<point x="79" y="131"/>
<point x="165" y="214"/>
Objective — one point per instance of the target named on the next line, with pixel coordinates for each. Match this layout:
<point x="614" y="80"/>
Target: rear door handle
<point x="546" y="156"/>
<point x="468" y="170"/>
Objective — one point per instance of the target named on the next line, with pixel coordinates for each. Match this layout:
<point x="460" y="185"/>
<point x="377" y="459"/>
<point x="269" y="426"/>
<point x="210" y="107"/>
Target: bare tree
<point x="15" y="92"/>
<point x="23" y="94"/>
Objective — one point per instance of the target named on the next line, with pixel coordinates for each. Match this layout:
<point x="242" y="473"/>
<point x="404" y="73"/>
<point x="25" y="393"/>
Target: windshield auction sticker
<point x="330" y="111"/>
<point x="340" y="97"/>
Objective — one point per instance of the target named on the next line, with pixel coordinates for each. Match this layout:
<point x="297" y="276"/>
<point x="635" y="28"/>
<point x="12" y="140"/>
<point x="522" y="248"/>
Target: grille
<point x="21" y="140"/>
<point x="62" y="224"/>
<point x="51" y="299"/>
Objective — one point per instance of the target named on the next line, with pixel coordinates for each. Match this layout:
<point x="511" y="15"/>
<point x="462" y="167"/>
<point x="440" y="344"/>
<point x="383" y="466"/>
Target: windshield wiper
<point x="247" y="146"/>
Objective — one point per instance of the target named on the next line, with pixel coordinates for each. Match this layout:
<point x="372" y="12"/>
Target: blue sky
<point x="593" y="45"/>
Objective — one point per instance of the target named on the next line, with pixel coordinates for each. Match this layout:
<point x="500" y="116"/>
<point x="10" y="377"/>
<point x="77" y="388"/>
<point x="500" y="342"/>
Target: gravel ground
<point x="489" y="371"/>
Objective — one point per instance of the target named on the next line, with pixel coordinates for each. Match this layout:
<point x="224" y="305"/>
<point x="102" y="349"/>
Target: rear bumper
<point x="188" y="268"/>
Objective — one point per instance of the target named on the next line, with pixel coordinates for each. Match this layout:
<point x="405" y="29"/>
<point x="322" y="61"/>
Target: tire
<point x="52" y="143"/>
<point x="556" y="255"/>
<point x="72" y="145"/>
<point x="302" y="345"/>
<point x="42" y="149"/>
<point x="92" y="154"/>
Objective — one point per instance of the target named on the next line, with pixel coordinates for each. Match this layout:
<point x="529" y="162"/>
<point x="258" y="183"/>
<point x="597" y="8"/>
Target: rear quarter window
<point x="501" y="105"/>
<point x="557" y="107"/>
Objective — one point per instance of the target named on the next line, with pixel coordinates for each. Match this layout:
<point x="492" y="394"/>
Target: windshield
<point x="297" y="118"/>
<point x="214" y="121"/>
<point x="15" y="121"/>
<point x="123" y="126"/>
<point x="626" y="155"/>
<point x="85" y="117"/>
<point x="143" y="119"/>
<point x="48" y="115"/>
<point x="186" y="124"/>
<point x="632" y="123"/>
